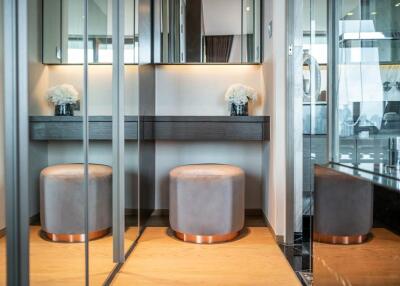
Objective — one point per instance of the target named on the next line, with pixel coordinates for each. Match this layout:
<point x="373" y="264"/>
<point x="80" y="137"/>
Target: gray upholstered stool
<point x="206" y="202"/>
<point x="62" y="202"/>
<point x="343" y="207"/>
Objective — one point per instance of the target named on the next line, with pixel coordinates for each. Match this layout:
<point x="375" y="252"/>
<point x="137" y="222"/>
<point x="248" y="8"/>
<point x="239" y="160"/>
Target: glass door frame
<point x="15" y="16"/>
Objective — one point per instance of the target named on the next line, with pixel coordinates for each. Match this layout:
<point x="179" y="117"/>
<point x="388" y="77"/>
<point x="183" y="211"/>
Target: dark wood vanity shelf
<point x="207" y="128"/>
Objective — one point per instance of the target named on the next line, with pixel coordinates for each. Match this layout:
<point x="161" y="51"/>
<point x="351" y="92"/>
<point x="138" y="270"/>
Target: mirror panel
<point x="62" y="43"/>
<point x="207" y="31"/>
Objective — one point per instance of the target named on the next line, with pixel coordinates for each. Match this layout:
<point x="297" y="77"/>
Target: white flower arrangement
<point x="240" y="94"/>
<point x="62" y="94"/>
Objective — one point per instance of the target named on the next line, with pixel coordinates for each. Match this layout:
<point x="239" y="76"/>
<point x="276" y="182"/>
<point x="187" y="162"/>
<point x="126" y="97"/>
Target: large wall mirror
<point x="62" y="37"/>
<point x="207" y="31"/>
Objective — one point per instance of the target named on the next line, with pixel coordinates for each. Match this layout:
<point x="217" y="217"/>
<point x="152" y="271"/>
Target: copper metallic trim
<point x="206" y="239"/>
<point x="61" y="237"/>
<point x="337" y="239"/>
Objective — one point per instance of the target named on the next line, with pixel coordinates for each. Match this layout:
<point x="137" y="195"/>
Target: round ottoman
<point x="206" y="202"/>
<point x="62" y="202"/>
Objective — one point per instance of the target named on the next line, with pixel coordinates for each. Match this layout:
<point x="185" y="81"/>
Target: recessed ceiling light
<point x="248" y="8"/>
<point x="397" y="5"/>
<point x="373" y="13"/>
<point x="350" y="14"/>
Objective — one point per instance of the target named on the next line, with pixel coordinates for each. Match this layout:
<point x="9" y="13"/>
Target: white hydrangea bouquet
<point x="64" y="97"/>
<point x="238" y="96"/>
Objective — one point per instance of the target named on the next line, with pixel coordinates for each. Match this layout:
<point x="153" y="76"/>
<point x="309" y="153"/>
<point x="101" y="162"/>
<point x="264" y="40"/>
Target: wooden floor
<point x="253" y="259"/>
<point x="64" y="263"/>
<point x="376" y="262"/>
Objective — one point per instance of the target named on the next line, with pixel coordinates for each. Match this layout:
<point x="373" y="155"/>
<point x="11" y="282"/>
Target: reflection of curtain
<point x="250" y="48"/>
<point x="218" y="48"/>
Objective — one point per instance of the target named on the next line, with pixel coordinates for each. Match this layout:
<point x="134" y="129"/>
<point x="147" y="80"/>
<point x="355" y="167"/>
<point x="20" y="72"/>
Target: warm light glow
<point x="248" y="8"/>
<point x="350" y="14"/>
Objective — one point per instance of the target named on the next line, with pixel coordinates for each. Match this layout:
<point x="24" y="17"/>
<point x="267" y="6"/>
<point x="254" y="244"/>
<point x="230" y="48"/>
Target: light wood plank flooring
<point x="159" y="259"/>
<point x="376" y="262"/>
<point x="64" y="263"/>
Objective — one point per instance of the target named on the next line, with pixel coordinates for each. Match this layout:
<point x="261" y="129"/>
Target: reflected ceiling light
<point x="350" y="14"/>
<point x="373" y="13"/>
<point x="248" y="8"/>
<point x="397" y="5"/>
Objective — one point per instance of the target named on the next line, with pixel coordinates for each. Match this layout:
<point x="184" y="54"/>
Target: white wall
<point x="199" y="90"/>
<point x="274" y="75"/>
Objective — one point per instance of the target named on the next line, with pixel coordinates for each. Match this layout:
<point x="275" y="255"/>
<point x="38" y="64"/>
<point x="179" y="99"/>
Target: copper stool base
<point x="206" y="239"/>
<point x="72" y="238"/>
<point x="337" y="239"/>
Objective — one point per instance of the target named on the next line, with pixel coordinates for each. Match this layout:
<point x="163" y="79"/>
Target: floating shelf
<point x="172" y="128"/>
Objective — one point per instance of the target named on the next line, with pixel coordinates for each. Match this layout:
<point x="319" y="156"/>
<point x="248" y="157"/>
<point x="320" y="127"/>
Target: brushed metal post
<point x="118" y="139"/>
<point x="16" y="140"/>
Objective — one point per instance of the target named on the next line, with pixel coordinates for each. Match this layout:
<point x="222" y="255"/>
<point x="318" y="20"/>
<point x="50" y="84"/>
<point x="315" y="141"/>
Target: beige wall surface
<point x="274" y="76"/>
<point x="200" y="89"/>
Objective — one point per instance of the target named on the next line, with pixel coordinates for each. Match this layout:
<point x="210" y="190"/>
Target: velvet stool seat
<point x="207" y="202"/>
<point x="343" y="207"/>
<point x="62" y="202"/>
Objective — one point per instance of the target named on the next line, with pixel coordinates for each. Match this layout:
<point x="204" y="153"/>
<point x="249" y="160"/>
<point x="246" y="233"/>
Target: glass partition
<point x="3" y="254"/>
<point x="315" y="119"/>
<point x="111" y="147"/>
<point x="131" y="98"/>
<point x="368" y="84"/>
<point x="73" y="148"/>
<point x="100" y="148"/>
<point x="62" y="40"/>
<point x="365" y="129"/>
<point x="57" y="192"/>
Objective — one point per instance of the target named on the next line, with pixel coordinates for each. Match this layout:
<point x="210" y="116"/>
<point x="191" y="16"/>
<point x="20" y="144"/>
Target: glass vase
<point x="66" y="109"/>
<point x="239" y="109"/>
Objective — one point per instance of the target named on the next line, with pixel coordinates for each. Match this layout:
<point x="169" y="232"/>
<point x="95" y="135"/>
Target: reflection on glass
<point x="62" y="41"/>
<point x="368" y="89"/>
<point x="208" y="31"/>
<point x="315" y="112"/>
<point x="57" y="204"/>
<point x="131" y="145"/>
<point x="3" y="255"/>
<point x="366" y="115"/>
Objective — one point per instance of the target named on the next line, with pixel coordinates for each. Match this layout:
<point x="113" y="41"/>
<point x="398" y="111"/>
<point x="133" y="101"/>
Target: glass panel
<point x="315" y="112"/>
<point x="62" y="41"/>
<point x="366" y="125"/>
<point x="208" y="31"/>
<point x="131" y="140"/>
<point x="56" y="172"/>
<point x="101" y="151"/>
<point x="100" y="108"/>
<point x="251" y="31"/>
<point x="368" y="88"/>
<point x="3" y="255"/>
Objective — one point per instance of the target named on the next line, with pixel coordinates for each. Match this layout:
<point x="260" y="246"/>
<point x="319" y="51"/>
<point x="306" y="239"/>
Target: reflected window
<point x="368" y="79"/>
